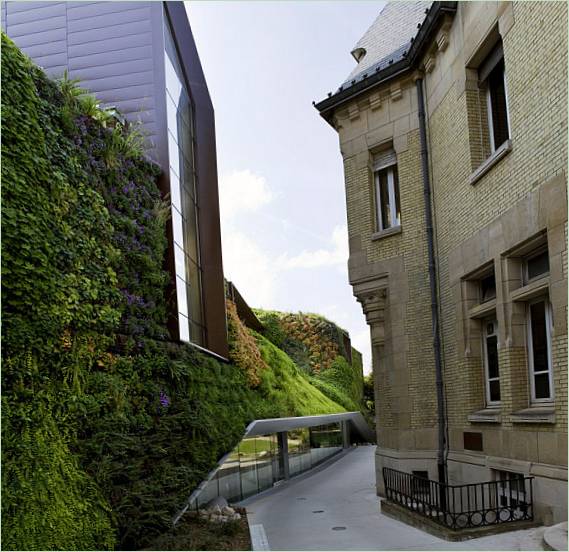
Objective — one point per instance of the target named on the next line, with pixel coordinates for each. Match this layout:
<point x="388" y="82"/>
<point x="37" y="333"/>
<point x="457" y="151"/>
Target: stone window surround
<point x="506" y="250"/>
<point x="481" y="119"/>
<point x="476" y="312"/>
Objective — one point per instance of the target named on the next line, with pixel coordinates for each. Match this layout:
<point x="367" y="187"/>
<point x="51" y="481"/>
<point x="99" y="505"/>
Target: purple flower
<point x="164" y="399"/>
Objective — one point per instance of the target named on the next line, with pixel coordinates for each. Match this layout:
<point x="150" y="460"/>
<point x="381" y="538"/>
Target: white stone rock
<point x="227" y="510"/>
<point x="217" y="501"/>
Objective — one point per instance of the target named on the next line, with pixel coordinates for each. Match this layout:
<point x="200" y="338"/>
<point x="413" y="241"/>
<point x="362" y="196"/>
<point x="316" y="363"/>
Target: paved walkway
<point x="336" y="508"/>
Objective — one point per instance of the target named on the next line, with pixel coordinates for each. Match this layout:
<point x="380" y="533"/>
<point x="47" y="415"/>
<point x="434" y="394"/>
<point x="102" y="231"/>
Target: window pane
<point x="542" y="386"/>
<point x="177" y="226"/>
<point x="191" y="226"/>
<point x="384" y="201"/>
<point x="180" y="261"/>
<point x="488" y="287"/>
<point x="198" y="334"/>
<point x="184" y="325"/>
<point x="538" y="265"/>
<point x="173" y="153"/>
<point x="396" y="190"/>
<point x="539" y="337"/>
<point x="498" y="105"/>
<point x="492" y="352"/>
<point x="175" y="190"/>
<point x="194" y="295"/>
<point x="495" y="390"/>
<point x="181" y="296"/>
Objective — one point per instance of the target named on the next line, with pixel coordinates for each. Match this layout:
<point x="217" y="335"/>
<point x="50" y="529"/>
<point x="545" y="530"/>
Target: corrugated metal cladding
<point x="108" y="46"/>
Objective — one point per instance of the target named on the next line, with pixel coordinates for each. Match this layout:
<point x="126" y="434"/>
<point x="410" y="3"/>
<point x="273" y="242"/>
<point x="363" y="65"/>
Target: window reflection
<point x="185" y="214"/>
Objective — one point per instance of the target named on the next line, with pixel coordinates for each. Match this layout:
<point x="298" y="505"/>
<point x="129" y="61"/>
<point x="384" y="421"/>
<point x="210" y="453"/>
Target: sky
<point x="281" y="182"/>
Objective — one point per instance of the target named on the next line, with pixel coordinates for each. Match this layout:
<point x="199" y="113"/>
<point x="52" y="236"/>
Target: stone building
<point x="141" y="58"/>
<point x="483" y="197"/>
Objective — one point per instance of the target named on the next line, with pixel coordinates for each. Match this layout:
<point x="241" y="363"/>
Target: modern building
<point x="141" y="58"/>
<point x="453" y="133"/>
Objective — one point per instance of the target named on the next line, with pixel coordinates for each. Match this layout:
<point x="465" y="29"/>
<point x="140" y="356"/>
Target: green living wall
<point x="318" y="347"/>
<point x="106" y="426"/>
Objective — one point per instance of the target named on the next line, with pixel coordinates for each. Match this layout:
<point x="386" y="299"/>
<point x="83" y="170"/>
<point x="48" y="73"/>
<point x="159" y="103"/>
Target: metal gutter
<point x="441" y="461"/>
<point x="436" y="12"/>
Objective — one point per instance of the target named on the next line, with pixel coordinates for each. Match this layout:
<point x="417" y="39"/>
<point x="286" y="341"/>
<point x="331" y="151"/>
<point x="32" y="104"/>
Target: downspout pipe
<point x="441" y="462"/>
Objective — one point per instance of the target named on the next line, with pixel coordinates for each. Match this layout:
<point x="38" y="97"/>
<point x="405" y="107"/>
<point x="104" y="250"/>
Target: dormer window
<point x="358" y="53"/>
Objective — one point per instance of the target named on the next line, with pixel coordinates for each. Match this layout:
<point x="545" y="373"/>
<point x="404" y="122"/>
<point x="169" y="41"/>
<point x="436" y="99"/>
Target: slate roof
<point x="388" y="37"/>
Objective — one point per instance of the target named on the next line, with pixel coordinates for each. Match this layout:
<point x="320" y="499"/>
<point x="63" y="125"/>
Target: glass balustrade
<point x="257" y="463"/>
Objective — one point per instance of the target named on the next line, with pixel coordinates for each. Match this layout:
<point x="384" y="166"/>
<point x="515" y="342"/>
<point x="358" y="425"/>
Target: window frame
<point x="486" y="72"/>
<point x="487" y="378"/>
<point x="525" y="269"/>
<point x="392" y="182"/>
<point x="493" y="147"/>
<point x="549" y="371"/>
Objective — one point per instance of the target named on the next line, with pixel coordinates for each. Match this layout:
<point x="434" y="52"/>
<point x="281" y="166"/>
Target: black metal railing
<point x="462" y="506"/>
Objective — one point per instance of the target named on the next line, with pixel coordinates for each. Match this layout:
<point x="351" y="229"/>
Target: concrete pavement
<point x="336" y="508"/>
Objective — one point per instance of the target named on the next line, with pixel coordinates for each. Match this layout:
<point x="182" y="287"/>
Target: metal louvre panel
<point x="384" y="158"/>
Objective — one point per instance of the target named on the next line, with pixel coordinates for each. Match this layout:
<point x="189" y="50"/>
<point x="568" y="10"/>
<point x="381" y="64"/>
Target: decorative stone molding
<point x="375" y="101"/>
<point x="396" y="92"/>
<point x="430" y="63"/>
<point x="373" y="305"/>
<point x="353" y="112"/>
<point x="442" y="40"/>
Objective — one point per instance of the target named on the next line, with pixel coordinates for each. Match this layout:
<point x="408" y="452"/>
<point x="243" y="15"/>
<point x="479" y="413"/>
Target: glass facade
<point x="259" y="462"/>
<point x="184" y="207"/>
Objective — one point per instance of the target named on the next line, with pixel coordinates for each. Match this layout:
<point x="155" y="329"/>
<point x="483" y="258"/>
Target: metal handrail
<point x="463" y="506"/>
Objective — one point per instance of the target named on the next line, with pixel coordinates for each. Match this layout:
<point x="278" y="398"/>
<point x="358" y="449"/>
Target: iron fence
<point x="462" y="506"/>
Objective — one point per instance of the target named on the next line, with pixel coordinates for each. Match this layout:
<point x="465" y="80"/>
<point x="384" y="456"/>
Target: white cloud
<point x="242" y="192"/>
<point x="249" y="268"/>
<point x="337" y="254"/>
<point x="244" y="262"/>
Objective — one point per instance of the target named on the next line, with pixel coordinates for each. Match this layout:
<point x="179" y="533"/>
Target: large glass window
<point x="539" y="350"/>
<point x="184" y="207"/>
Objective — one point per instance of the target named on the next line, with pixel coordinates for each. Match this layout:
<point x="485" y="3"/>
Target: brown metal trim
<point x="213" y="289"/>
<point x="244" y="311"/>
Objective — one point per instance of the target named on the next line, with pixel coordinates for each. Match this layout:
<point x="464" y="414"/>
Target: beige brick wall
<point x="477" y="224"/>
<point x="536" y="71"/>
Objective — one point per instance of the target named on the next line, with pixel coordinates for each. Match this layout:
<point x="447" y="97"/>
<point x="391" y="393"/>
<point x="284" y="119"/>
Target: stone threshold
<point x="418" y="521"/>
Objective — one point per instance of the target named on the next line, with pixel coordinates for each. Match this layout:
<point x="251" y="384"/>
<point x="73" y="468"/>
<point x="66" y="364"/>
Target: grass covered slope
<point x="322" y="351"/>
<point x="273" y="374"/>
<point x="289" y="387"/>
<point x="106" y="426"/>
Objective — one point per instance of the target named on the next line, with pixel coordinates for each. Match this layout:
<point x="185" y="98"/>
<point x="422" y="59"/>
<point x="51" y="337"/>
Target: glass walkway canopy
<point x="276" y="449"/>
